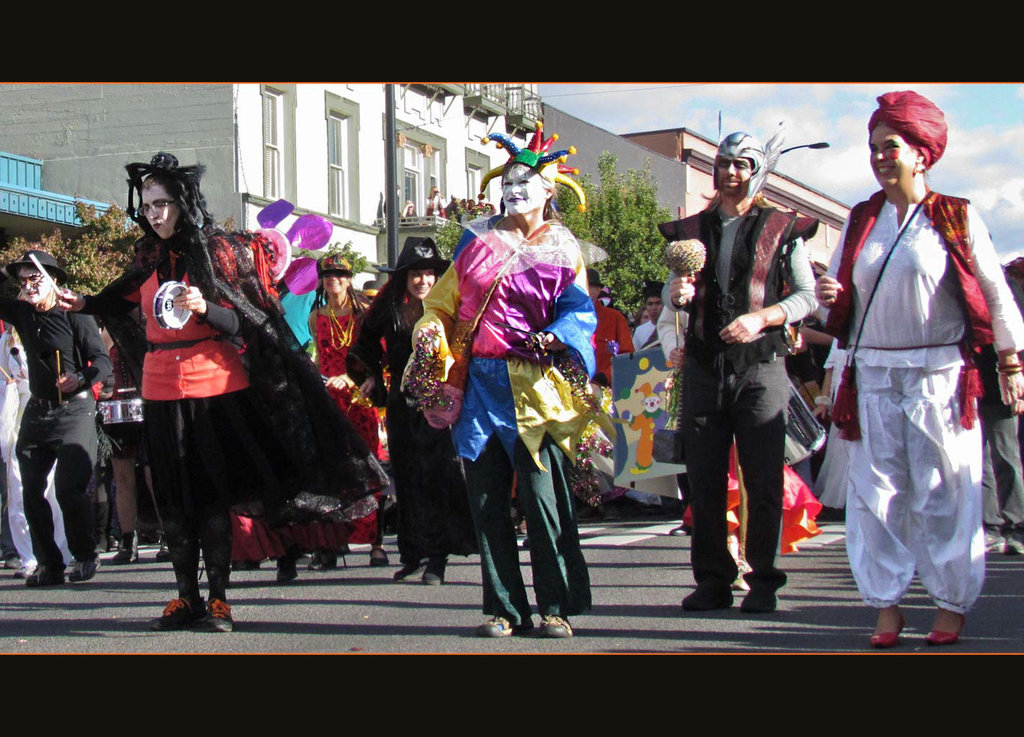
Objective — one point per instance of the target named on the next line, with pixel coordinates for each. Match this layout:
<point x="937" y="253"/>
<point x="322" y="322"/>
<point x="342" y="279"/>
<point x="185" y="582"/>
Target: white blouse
<point x="916" y="318"/>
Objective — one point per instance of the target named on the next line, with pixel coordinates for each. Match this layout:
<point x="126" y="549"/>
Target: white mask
<point x="523" y="190"/>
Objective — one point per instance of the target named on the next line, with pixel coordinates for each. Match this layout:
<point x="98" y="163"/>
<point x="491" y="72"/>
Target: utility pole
<point x="391" y="175"/>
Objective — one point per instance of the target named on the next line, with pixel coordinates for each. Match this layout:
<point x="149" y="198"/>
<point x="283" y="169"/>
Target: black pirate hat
<point x="418" y="253"/>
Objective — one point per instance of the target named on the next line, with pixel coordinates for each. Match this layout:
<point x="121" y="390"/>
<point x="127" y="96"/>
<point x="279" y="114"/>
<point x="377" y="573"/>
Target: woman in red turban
<point x="914" y="292"/>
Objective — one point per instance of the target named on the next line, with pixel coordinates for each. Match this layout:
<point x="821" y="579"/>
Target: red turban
<point x="917" y="119"/>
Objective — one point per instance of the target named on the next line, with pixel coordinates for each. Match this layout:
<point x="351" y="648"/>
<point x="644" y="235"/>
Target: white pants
<point x="19" y="525"/>
<point x="834" y="475"/>
<point x="914" y="500"/>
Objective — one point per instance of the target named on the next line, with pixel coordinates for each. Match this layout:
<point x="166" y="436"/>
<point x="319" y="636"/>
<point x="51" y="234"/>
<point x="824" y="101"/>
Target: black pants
<point x="750" y="406"/>
<point x="1002" y="486"/>
<point x="65" y="435"/>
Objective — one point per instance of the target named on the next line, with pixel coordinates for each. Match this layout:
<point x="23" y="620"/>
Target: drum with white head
<point x="117" y="411"/>
<point x="167" y="315"/>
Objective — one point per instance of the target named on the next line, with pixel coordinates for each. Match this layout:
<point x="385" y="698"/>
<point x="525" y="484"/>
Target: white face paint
<point x="160" y="210"/>
<point x="524" y="190"/>
<point x="35" y="288"/>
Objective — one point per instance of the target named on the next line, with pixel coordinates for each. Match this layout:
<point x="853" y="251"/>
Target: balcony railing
<point x="524" y="107"/>
<point x="488" y="97"/>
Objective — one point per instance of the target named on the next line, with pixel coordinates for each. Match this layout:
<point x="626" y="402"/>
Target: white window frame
<point x="412" y="166"/>
<point x="273" y="143"/>
<point x="474" y="175"/>
<point x="338" y="164"/>
<point x="436" y="167"/>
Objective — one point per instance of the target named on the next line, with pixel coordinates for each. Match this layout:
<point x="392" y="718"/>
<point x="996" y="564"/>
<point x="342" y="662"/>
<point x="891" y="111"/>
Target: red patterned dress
<point x="334" y="337"/>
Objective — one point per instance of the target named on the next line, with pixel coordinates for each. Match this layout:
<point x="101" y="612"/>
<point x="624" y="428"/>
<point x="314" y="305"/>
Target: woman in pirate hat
<point x="433" y="511"/>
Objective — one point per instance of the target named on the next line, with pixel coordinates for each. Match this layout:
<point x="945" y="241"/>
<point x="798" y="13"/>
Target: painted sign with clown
<point x="641" y="391"/>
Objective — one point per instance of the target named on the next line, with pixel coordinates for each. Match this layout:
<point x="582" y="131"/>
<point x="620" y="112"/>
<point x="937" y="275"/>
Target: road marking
<point x="593" y="536"/>
<point x="627" y="536"/>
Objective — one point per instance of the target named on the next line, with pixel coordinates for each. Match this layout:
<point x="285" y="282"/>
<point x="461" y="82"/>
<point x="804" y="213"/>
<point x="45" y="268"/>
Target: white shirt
<point x="917" y="302"/>
<point x="642" y="334"/>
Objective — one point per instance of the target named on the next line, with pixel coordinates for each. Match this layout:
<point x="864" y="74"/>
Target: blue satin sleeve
<point x="575" y="323"/>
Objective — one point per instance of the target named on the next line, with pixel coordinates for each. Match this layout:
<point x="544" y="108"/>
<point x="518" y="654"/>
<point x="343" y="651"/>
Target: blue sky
<point x="982" y="161"/>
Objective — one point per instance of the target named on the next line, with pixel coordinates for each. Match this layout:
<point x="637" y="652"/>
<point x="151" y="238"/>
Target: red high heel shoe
<point x="938" y="637"/>
<point x="886" y="640"/>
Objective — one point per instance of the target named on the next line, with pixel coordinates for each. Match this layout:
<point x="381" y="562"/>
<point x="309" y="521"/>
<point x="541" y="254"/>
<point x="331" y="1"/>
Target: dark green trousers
<point x="560" y="579"/>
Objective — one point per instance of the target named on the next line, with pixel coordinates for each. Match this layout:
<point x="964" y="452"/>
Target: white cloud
<point x="982" y="162"/>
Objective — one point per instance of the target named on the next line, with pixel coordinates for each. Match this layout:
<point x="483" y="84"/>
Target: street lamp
<point x="819" y="144"/>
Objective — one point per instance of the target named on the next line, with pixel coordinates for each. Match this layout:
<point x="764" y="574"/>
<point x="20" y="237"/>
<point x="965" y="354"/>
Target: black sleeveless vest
<point x="756" y="281"/>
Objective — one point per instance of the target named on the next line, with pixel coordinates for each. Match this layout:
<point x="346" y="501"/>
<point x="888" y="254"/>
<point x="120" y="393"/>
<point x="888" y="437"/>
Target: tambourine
<point x="167" y="315"/>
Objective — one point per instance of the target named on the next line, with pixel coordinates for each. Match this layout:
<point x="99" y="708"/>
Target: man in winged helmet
<point x="735" y="383"/>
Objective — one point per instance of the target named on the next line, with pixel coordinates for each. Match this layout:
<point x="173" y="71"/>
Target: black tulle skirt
<point x="215" y="453"/>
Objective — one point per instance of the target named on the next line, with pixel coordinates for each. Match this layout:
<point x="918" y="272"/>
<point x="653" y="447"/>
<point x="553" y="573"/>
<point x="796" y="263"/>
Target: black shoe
<point x="164" y="553"/>
<point x="83" y="570"/>
<point x="434" y="573"/>
<point x="245" y="565"/>
<point x="179" y="614"/>
<point x="409" y="569"/>
<point x="759" y="601"/>
<point x="218" y="617"/>
<point x="286" y="570"/>
<point x="379" y="557"/>
<point x="707" y="598"/>
<point x="831" y="514"/>
<point x="129" y="550"/>
<point x="43" y="576"/>
<point x="12" y="563"/>
<point x="1014" y="544"/>
<point x="322" y="561"/>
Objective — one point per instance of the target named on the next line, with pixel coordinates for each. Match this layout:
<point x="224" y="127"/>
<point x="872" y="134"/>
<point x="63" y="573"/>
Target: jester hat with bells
<point x="538" y="156"/>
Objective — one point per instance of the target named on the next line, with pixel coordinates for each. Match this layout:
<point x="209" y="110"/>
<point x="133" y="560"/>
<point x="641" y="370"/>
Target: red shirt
<point x="611" y="326"/>
<point x="205" y="369"/>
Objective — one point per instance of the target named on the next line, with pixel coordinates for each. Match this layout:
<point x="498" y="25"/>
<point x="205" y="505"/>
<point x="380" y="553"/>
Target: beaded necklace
<point x="341" y="336"/>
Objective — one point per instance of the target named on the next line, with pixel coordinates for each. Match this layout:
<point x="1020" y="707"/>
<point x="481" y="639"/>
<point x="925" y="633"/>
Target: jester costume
<point x="521" y="416"/>
<point x="519" y="411"/>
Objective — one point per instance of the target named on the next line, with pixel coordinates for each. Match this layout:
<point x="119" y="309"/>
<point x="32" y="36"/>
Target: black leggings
<point x="210" y="531"/>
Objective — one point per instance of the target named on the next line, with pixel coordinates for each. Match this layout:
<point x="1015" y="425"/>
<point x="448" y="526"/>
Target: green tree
<point x="94" y="255"/>
<point x="447" y="237"/>
<point x="622" y="219"/>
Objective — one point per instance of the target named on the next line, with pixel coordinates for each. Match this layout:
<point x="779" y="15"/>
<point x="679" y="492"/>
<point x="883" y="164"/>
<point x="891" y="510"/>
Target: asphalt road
<point x="639" y="574"/>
